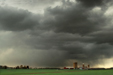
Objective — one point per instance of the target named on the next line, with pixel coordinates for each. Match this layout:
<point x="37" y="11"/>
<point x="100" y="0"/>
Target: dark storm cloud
<point x="102" y="37"/>
<point x="77" y="48"/>
<point x="73" y="19"/>
<point x="70" y="31"/>
<point x="17" y="19"/>
<point x="91" y="3"/>
<point x="69" y="28"/>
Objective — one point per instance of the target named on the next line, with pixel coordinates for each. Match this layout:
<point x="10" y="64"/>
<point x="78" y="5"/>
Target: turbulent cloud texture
<point x="90" y="3"/>
<point x="78" y="31"/>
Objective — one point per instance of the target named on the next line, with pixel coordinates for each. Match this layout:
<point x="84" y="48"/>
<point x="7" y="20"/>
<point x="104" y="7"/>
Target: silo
<point x="88" y="66"/>
<point x="75" y="65"/>
<point x="21" y="66"/>
<point x="83" y="66"/>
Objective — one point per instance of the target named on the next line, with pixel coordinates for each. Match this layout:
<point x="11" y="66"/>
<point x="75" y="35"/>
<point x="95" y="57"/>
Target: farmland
<point x="53" y="72"/>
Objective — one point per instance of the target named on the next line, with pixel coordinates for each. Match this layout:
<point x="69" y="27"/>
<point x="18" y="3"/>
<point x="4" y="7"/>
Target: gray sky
<point x="56" y="33"/>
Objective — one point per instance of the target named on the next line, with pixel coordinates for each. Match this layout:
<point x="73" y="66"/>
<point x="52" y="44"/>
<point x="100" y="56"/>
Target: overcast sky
<point x="56" y="33"/>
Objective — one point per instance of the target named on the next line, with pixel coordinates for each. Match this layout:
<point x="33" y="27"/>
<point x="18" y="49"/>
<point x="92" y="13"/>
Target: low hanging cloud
<point x="77" y="31"/>
<point x="13" y="19"/>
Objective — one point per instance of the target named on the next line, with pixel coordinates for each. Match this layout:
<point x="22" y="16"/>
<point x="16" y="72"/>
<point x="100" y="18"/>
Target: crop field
<point x="53" y="72"/>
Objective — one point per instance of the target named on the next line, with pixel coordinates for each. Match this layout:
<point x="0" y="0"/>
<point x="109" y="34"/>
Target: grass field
<point x="54" y="72"/>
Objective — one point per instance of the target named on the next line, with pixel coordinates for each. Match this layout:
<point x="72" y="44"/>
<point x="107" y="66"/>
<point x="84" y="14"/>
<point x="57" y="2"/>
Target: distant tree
<point x="1" y="67"/>
<point x="17" y="67"/>
<point x="21" y="66"/>
<point x="5" y="67"/>
<point x="27" y="67"/>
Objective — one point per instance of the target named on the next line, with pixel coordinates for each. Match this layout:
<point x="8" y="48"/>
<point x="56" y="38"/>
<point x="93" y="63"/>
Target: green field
<point x="54" y="72"/>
